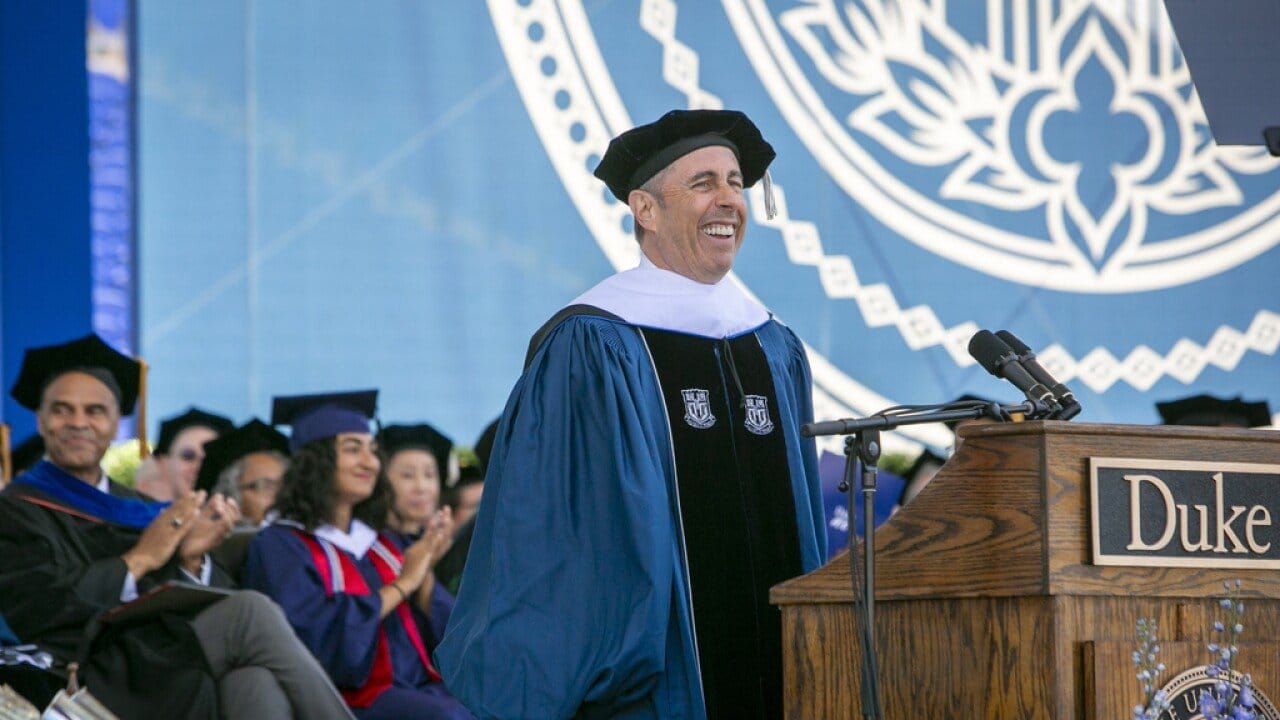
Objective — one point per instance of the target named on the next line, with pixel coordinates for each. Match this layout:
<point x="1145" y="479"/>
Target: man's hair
<point x="307" y="492"/>
<point x="229" y="479"/>
<point x="653" y="186"/>
<point x="100" y="374"/>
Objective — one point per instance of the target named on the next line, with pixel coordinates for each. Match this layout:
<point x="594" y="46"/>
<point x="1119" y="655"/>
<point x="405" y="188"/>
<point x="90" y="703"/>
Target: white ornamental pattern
<point x="576" y="109"/>
<point x="919" y="326"/>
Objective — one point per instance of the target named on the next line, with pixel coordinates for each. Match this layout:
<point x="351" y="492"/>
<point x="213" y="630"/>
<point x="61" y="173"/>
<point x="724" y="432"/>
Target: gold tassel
<point x="140" y="417"/>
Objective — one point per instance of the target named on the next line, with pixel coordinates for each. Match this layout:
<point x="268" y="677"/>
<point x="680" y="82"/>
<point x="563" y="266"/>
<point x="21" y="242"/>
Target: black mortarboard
<point x="469" y="475"/>
<point x="484" y="444"/>
<point x="1208" y="410"/>
<point x="324" y="415"/>
<point x="641" y="152"/>
<point x="42" y="365"/>
<point x="193" y="417"/>
<point x="220" y="453"/>
<point x="394" y="438"/>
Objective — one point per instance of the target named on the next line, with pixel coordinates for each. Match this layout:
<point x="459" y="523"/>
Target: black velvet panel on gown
<point x="737" y="513"/>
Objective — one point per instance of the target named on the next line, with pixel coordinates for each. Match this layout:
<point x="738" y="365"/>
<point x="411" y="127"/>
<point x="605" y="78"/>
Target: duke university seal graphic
<point x="1184" y="691"/>
<point x="943" y="166"/>
<point x="697" y="409"/>
<point x="966" y="136"/>
<point x="757" y="421"/>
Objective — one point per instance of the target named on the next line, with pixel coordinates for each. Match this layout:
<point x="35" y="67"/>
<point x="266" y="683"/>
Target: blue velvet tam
<point x="324" y="415"/>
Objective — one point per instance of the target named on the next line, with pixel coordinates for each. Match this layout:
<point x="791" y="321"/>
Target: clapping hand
<point x="214" y="524"/>
<point x="440" y="534"/>
<point x="416" y="574"/>
<point x="162" y="537"/>
<point x="439" y="538"/>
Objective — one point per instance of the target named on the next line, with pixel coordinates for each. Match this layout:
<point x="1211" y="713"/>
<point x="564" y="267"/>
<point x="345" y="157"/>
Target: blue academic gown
<point x="575" y="600"/>
<point x="342" y="631"/>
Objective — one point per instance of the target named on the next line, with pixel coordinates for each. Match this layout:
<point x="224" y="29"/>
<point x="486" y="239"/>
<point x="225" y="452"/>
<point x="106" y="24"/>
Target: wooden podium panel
<point x="988" y="605"/>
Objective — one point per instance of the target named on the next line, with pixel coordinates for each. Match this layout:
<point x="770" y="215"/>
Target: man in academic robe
<point x="648" y="482"/>
<point x="74" y="544"/>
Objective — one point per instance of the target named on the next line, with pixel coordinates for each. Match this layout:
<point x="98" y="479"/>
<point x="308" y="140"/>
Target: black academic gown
<point x="59" y="571"/>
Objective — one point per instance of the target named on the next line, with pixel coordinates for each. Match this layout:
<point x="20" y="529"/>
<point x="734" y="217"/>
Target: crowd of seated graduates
<point x="336" y="549"/>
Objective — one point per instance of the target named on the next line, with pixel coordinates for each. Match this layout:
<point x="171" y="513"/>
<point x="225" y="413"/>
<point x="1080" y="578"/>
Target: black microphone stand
<point x="862" y="449"/>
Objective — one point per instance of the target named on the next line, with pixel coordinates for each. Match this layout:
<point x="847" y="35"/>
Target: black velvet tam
<point x="394" y="438"/>
<point x="252" y="437"/>
<point x="642" y="152"/>
<point x="193" y="417"/>
<point x="43" y="365"/>
<point x="1215" y="412"/>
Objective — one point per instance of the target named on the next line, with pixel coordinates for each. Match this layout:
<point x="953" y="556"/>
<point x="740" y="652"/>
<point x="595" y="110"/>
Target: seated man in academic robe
<point x="74" y="544"/>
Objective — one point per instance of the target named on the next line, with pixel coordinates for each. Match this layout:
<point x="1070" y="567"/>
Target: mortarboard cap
<point x="43" y="365"/>
<point x="394" y="438"/>
<point x="194" y="417"/>
<point x="324" y="415"/>
<point x="469" y="475"/>
<point x="1208" y="410"/>
<point x="220" y="453"/>
<point x="642" y="152"/>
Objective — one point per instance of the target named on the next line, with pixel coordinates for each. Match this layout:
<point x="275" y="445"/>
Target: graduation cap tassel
<point x="770" y="205"/>
<point x="6" y="456"/>
<point x="140" y="419"/>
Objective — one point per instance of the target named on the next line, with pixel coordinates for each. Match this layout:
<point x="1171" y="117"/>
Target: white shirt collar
<point x="357" y="541"/>
<point x="652" y="297"/>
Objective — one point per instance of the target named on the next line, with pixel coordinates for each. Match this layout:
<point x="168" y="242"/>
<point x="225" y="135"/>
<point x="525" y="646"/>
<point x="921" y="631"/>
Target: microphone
<point x="1000" y="360"/>
<point x="1027" y="358"/>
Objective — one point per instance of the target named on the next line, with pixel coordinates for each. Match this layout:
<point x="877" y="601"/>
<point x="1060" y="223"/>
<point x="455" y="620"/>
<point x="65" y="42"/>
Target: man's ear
<point x="642" y="207"/>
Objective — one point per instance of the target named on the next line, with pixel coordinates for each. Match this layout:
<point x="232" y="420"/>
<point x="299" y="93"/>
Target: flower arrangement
<point x="1149" y="670"/>
<point x="1230" y="694"/>
<point x="122" y="460"/>
<point x="1223" y="701"/>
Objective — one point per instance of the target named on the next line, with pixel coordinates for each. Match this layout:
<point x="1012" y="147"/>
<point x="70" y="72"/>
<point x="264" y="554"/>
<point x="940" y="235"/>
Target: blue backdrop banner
<point x="398" y="196"/>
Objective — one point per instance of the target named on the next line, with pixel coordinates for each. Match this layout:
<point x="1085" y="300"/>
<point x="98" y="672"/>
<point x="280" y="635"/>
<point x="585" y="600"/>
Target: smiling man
<point x="74" y="544"/>
<point x="648" y="483"/>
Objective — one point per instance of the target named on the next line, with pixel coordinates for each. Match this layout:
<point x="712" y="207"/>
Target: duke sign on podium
<point x="1184" y="513"/>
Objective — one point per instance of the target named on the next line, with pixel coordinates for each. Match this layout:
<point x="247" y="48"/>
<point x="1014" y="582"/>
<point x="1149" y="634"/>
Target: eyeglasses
<point x="260" y="485"/>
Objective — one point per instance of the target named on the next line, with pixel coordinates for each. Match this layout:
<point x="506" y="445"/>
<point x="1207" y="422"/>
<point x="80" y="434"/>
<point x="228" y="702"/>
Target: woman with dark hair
<point x="363" y="601"/>
<point x="415" y="460"/>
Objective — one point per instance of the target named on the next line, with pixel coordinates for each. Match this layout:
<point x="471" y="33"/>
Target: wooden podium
<point x="989" y="605"/>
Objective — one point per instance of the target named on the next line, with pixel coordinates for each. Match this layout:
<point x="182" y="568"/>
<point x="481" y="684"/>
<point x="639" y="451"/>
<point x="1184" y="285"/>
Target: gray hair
<point x="653" y="186"/>
<point x="229" y="479"/>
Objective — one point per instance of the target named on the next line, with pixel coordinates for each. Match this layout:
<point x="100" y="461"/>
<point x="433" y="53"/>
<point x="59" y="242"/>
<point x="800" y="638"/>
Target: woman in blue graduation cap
<point x="360" y="599"/>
